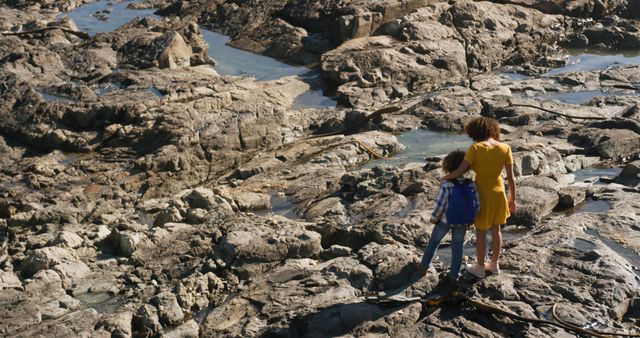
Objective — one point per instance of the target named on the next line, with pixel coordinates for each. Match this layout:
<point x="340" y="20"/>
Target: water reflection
<point x="629" y="254"/>
<point x="237" y="62"/>
<point x="108" y="88"/>
<point x="423" y="143"/>
<point x="596" y="173"/>
<point x="53" y="98"/>
<point x="280" y="205"/>
<point x="106" y="16"/>
<point x="513" y="76"/>
<point x="575" y="97"/>
<point x="593" y="59"/>
<point x="155" y="91"/>
<point x="110" y="16"/>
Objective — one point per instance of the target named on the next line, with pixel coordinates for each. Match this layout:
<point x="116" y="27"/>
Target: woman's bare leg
<point x="496" y="243"/>
<point x="481" y="245"/>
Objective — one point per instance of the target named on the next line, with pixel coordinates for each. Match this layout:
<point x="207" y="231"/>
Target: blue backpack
<point x="461" y="207"/>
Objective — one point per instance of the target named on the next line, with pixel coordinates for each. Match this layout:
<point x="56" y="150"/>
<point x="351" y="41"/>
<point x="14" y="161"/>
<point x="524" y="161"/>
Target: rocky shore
<point x="144" y="194"/>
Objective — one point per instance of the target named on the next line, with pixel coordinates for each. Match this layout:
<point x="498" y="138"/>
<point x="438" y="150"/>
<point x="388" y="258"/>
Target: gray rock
<point x="378" y="206"/>
<point x="69" y="302"/>
<point x="20" y="219"/>
<point x="358" y="319"/>
<point x="358" y="275"/>
<point x="175" y="51"/>
<point x="169" y="49"/>
<point x="261" y="244"/>
<point x="9" y="280"/>
<point x="68" y="239"/>
<point x="570" y="197"/>
<point x="189" y="329"/>
<point x="169" y="215"/>
<point x="335" y="251"/>
<point x="327" y="208"/>
<point x="103" y="232"/>
<point x="44" y="280"/>
<point x="248" y="200"/>
<point x="391" y="264"/>
<point x="542" y="161"/>
<point x="607" y="143"/>
<point x="202" y="198"/>
<point x="196" y="216"/>
<point x="146" y="320"/>
<point x="169" y="310"/>
<point x="125" y="242"/>
<point x="630" y="174"/>
<point x="52" y="310"/>
<point x="118" y="324"/>
<point x="536" y="197"/>
<point x="46" y="258"/>
<point x="71" y="272"/>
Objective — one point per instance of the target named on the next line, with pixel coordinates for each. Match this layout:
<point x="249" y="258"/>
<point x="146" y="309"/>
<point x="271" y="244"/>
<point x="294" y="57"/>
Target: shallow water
<point x="596" y="173"/>
<point x="237" y="62"/>
<point x="588" y="206"/>
<point x="315" y="97"/>
<point x="593" y="206"/>
<point x="229" y="60"/>
<point x="280" y="205"/>
<point x="54" y="98"/>
<point x="591" y="59"/>
<point x="512" y="233"/>
<point x="575" y="97"/>
<point x="86" y="20"/>
<point x="155" y="91"/>
<point x="109" y="88"/>
<point x="103" y="302"/>
<point x="584" y="245"/>
<point x="513" y="76"/>
<point x="422" y="143"/>
<point x="628" y="254"/>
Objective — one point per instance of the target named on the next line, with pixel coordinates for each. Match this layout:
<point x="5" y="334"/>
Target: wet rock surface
<point x="143" y="194"/>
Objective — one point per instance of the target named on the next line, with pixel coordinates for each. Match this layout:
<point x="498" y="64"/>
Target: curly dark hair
<point x="452" y="161"/>
<point x="482" y="128"/>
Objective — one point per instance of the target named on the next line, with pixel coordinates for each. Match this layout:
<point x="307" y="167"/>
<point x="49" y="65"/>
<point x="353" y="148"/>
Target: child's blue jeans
<point x="457" y="242"/>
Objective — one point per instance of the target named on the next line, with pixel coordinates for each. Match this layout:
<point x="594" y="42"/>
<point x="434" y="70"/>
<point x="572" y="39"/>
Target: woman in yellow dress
<point x="487" y="157"/>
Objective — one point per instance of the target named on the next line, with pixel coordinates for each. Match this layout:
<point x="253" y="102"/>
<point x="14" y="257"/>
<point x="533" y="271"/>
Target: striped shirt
<point x="443" y="200"/>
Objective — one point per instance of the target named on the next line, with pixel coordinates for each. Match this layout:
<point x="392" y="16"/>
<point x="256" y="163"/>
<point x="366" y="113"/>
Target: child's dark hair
<point x="452" y="161"/>
<point x="482" y="128"/>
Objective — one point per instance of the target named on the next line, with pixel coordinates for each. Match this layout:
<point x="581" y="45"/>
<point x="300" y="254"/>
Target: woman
<point x="488" y="157"/>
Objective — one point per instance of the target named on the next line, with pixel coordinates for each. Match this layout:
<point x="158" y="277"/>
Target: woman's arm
<point x="512" y="187"/>
<point x="464" y="166"/>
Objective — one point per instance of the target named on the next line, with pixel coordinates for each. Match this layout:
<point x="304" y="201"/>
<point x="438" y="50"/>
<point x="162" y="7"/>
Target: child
<point x="456" y="208"/>
<point x="487" y="157"/>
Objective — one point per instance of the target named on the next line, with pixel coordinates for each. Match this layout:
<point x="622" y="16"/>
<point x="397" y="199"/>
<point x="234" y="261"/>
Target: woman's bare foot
<point x="492" y="267"/>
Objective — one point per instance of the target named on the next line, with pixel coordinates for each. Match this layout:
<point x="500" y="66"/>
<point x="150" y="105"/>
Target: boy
<point x="456" y="208"/>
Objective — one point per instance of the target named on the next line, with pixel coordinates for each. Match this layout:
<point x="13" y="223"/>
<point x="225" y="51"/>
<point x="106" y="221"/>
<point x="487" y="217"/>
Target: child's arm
<point x="512" y="187"/>
<point x="464" y="166"/>
<point x="441" y="205"/>
<point x="469" y="157"/>
<point x="476" y="198"/>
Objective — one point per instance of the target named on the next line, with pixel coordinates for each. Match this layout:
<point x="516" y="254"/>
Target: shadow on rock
<point x="343" y="319"/>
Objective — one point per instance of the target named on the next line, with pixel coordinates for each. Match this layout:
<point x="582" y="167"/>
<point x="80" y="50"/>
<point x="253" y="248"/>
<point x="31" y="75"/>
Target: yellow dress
<point x="487" y="161"/>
